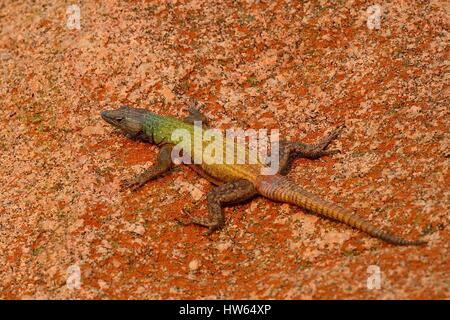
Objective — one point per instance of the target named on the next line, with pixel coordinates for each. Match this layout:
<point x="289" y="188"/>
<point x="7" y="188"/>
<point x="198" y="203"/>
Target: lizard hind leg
<point x="316" y="150"/>
<point x="223" y="195"/>
<point x="294" y="149"/>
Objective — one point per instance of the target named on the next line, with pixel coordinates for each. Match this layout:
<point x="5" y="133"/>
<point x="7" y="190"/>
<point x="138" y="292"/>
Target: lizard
<point x="235" y="183"/>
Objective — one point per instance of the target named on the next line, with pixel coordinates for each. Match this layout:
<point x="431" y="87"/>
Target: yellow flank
<point x="210" y="148"/>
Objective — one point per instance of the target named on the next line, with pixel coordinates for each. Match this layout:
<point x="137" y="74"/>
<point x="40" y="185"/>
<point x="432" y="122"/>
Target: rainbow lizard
<point x="236" y="182"/>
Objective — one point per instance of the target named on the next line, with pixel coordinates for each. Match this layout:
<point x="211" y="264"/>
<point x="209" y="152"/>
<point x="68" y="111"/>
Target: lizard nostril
<point x="104" y="114"/>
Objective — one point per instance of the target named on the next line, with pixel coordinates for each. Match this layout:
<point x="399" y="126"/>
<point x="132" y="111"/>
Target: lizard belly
<point x="227" y="173"/>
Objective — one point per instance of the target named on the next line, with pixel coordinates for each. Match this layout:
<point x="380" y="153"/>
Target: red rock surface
<point x="300" y="66"/>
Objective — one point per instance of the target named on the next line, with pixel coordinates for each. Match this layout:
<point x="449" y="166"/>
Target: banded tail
<point x="281" y="189"/>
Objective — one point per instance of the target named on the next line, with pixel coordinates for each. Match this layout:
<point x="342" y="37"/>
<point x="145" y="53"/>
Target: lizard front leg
<point x="164" y="164"/>
<point x="293" y="149"/>
<point x="195" y="114"/>
<point x="225" y="194"/>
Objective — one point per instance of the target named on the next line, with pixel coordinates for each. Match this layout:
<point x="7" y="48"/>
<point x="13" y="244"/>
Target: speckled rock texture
<point x="300" y="66"/>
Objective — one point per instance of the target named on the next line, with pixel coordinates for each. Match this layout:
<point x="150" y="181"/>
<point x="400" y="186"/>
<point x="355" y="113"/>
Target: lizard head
<point x="129" y="120"/>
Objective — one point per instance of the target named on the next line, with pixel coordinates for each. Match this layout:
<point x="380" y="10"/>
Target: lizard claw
<point x="210" y="231"/>
<point x="327" y="140"/>
<point x="186" y="222"/>
<point x="337" y="131"/>
<point x="212" y="227"/>
<point x="331" y="152"/>
<point x="132" y="184"/>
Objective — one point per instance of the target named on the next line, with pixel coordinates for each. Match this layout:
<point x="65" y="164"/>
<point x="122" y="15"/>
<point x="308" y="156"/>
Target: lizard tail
<point x="279" y="188"/>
